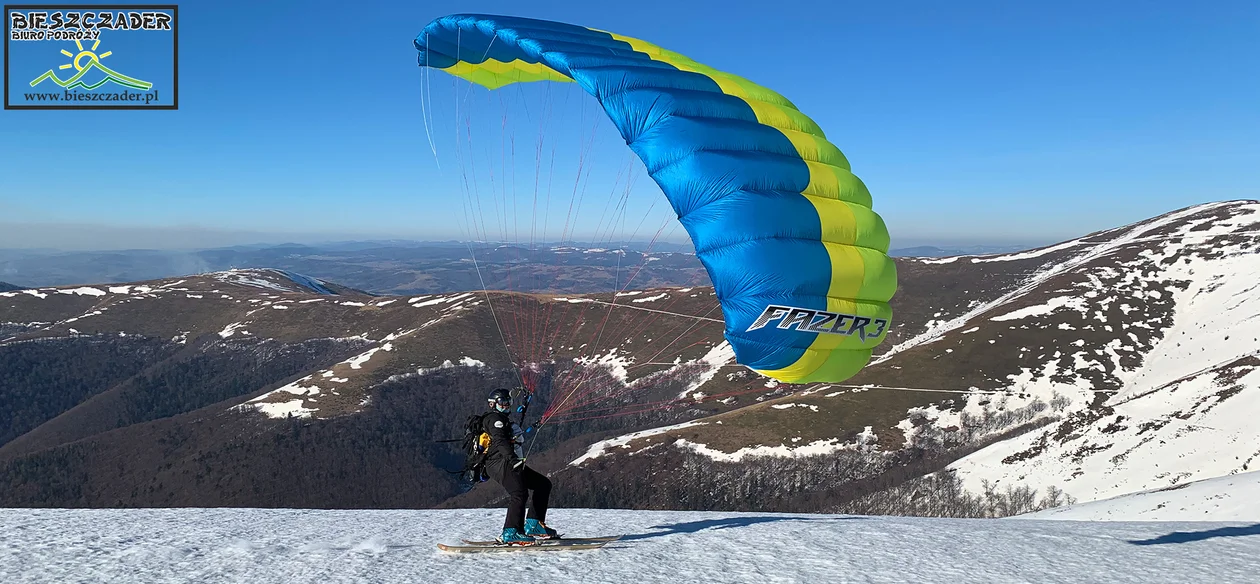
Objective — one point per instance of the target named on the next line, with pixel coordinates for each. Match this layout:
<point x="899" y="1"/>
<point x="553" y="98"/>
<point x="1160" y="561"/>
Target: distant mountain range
<point x="929" y="251"/>
<point x="382" y="267"/>
<point x="1122" y="361"/>
<point x="408" y="267"/>
<point x="6" y="287"/>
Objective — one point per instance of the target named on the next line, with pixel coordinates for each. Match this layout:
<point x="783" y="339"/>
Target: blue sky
<point x="971" y="122"/>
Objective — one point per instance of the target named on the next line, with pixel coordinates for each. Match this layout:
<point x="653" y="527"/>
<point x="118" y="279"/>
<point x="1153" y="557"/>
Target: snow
<point x="231" y="329"/>
<point x="282" y="546"/>
<point x="789" y="406"/>
<point x="714" y="360"/>
<point x="937" y="329"/>
<point x="598" y="449"/>
<point x="307" y="282"/>
<point x="1029" y="254"/>
<point x="1185" y="406"/>
<point x="1075" y="302"/>
<point x="447" y="364"/>
<point x="573" y="300"/>
<point x="84" y="291"/>
<point x="251" y="278"/>
<point x="419" y="301"/>
<point x="615" y="363"/>
<point x="1165" y="438"/>
<point x="815" y="448"/>
<point x="1227" y="498"/>
<point x="650" y="298"/>
<point x="358" y="361"/>
<point x="294" y="407"/>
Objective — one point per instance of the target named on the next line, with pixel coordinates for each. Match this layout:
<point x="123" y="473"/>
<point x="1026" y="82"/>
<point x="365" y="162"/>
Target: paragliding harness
<point x="476" y="444"/>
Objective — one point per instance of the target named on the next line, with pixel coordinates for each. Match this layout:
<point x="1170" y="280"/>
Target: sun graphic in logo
<point x="89" y="54"/>
<point x="85" y="61"/>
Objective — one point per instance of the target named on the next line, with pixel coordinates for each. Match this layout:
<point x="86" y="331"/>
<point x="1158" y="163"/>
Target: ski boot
<point x="539" y="530"/>
<point x="513" y="537"/>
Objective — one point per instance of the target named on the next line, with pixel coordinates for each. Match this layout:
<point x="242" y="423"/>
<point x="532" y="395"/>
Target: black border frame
<point x="174" y="8"/>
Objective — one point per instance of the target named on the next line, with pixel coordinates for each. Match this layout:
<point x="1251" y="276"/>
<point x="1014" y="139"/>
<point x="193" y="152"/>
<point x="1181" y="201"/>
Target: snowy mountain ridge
<point x="1122" y="346"/>
<point x="1159" y="382"/>
<point x="1094" y="246"/>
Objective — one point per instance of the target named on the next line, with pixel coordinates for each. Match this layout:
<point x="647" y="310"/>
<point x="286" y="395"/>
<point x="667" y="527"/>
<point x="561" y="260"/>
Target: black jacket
<point x="501" y="430"/>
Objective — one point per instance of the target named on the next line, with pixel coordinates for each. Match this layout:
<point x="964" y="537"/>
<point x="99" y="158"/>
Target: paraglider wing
<point x="797" y="257"/>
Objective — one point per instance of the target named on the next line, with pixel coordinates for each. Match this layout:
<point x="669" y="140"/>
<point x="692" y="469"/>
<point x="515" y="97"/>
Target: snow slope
<point x="1144" y="350"/>
<point x="291" y="546"/>
<point x="1228" y="498"/>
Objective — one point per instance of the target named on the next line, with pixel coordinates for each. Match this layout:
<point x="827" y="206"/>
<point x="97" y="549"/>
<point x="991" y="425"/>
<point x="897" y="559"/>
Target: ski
<point x="548" y="546"/>
<point x="606" y="538"/>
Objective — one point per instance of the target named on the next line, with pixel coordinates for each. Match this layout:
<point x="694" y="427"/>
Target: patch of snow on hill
<point x="1228" y="498"/>
<point x="250" y="278"/>
<point x="420" y="301"/>
<point x="447" y="364"/>
<point x="598" y="449"/>
<point x="1073" y="302"/>
<point x="815" y="448"/>
<point x="789" y="406"/>
<point x="357" y="362"/>
<point x="615" y="362"/>
<point x="294" y="407"/>
<point x="573" y="300"/>
<point x="713" y="361"/>
<point x="305" y="388"/>
<point x="83" y="291"/>
<point x="311" y="284"/>
<point x="232" y="329"/>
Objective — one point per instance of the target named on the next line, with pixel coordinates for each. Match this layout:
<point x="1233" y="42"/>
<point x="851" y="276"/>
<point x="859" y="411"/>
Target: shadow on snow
<point x="1189" y="536"/>
<point x="724" y="523"/>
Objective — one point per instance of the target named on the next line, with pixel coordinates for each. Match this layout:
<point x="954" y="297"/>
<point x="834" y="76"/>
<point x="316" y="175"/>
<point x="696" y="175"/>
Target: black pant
<point x="518" y="482"/>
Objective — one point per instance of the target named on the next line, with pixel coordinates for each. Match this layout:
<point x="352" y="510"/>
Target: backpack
<point x="474" y="446"/>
